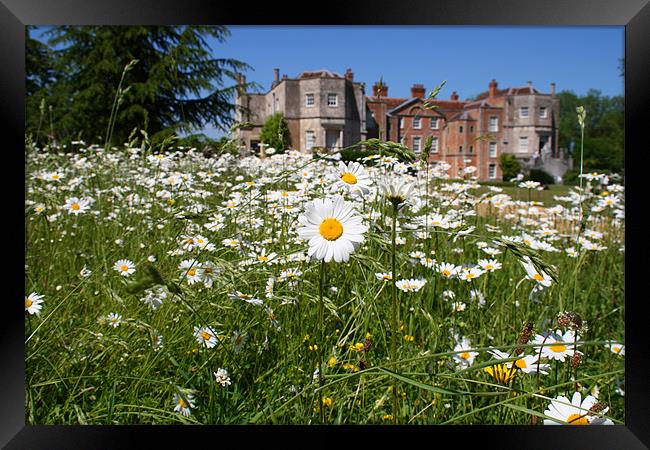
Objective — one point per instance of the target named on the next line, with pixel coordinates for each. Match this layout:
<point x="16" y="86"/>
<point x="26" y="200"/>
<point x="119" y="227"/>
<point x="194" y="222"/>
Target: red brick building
<point x="329" y="110"/>
<point x="469" y="133"/>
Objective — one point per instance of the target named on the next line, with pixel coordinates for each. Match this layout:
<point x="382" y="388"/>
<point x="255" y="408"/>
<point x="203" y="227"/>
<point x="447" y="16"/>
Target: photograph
<point x="212" y="239"/>
<point x="350" y="225"/>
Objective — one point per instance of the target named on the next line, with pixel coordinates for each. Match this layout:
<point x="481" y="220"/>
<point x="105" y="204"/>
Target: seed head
<point x="524" y="337"/>
<point x="576" y="360"/>
<point x="598" y="407"/>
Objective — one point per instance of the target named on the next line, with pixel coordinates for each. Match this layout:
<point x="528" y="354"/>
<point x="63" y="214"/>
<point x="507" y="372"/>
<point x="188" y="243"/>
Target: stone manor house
<point x="326" y="109"/>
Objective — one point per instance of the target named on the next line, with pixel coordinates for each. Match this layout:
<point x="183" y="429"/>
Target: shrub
<point x="275" y="133"/>
<point x="540" y="176"/>
<point x="509" y="166"/>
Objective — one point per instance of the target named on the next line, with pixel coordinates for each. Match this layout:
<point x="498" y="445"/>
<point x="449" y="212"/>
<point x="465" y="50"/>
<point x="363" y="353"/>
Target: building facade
<point x="322" y="109"/>
<point x="325" y="109"/>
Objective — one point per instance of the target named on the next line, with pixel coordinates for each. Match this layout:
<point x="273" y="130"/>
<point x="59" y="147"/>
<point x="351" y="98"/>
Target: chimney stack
<point x="552" y="89"/>
<point x="454" y="96"/>
<point x="276" y="77"/>
<point x="349" y="75"/>
<point x="417" y="90"/>
<point x="530" y="86"/>
<point x="285" y="76"/>
<point x="376" y="90"/>
<point x="493" y="88"/>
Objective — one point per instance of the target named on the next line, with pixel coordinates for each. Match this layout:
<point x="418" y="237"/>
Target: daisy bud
<point x="576" y="360"/>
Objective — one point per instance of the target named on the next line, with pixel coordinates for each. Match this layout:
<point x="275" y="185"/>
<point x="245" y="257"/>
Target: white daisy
<point x="76" y="205"/>
<point x="205" y="336"/>
<point x="33" y="303"/>
<point x="191" y="270"/>
<point x="532" y="273"/>
<point x="125" y="267"/>
<point x="574" y="412"/>
<point x="556" y="345"/>
<point x="615" y="347"/>
<point x="353" y="177"/>
<point x="410" y="285"/>
<point x="332" y="229"/>
<point x="184" y="403"/>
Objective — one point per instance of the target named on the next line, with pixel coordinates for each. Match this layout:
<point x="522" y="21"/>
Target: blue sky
<point x="575" y="58"/>
<point x="467" y="57"/>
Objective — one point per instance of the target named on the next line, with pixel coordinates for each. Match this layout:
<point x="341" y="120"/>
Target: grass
<point x="81" y="369"/>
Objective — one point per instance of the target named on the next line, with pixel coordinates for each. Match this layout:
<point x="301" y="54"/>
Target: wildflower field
<point x="167" y="287"/>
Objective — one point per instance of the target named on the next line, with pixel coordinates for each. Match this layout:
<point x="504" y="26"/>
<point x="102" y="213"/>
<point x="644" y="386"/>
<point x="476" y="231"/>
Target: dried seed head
<point x="563" y="319"/>
<point x="569" y="319"/>
<point x="362" y="364"/>
<point x="576" y="360"/>
<point x="524" y="337"/>
<point x="367" y="345"/>
<point x="598" y="407"/>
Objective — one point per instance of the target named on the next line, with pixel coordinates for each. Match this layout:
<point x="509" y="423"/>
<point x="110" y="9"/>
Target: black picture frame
<point x="633" y="14"/>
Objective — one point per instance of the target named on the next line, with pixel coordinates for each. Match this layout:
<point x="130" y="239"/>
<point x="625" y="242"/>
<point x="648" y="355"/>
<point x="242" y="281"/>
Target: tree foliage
<point x="604" y="129"/>
<point x="275" y="132"/>
<point x="175" y="86"/>
<point x="509" y="166"/>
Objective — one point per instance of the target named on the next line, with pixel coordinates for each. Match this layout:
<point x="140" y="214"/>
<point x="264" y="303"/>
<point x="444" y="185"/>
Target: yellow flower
<point x="332" y="361"/>
<point x="313" y="347"/>
<point x="351" y="367"/>
<point x="358" y="347"/>
<point x="501" y="373"/>
<point x="409" y="338"/>
<point x="327" y="401"/>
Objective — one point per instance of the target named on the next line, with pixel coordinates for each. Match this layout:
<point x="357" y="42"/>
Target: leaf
<point x="412" y="382"/>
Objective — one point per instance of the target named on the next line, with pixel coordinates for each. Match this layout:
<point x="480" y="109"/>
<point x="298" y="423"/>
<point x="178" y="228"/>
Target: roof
<point x="463" y="115"/>
<point x="322" y="73"/>
<point x="521" y="90"/>
<point x="441" y="104"/>
<point x="391" y="102"/>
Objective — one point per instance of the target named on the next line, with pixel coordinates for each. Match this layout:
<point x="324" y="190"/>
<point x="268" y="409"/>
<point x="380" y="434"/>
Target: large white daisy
<point x="574" y="412"/>
<point x="332" y="229"/>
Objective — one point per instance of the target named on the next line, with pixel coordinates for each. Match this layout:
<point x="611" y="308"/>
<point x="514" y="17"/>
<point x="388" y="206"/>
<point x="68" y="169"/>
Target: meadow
<point x="169" y="287"/>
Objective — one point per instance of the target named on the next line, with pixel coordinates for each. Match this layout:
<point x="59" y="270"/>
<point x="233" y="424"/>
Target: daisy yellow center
<point x="55" y="177"/>
<point x="617" y="349"/>
<point x="464" y="355"/>
<point x="28" y="303"/>
<point x="469" y="275"/>
<point x="205" y="335"/>
<point x="263" y="258"/>
<point x="191" y="272"/>
<point x="124" y="268"/>
<point x="75" y="206"/>
<point x="446" y="272"/>
<point x="182" y="402"/>
<point x="558" y="348"/>
<point x="577" y="419"/>
<point x="538" y="277"/>
<point x="208" y="270"/>
<point x="349" y="178"/>
<point x="489" y="266"/>
<point x="521" y="364"/>
<point x="331" y="229"/>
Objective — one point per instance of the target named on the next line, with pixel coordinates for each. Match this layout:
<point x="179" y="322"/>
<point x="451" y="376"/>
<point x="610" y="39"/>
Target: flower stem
<point x="321" y="286"/>
<point x="393" y="341"/>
